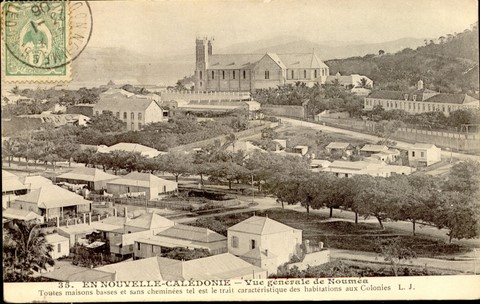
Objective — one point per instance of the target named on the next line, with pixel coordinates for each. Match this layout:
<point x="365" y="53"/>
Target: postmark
<point x="42" y="38"/>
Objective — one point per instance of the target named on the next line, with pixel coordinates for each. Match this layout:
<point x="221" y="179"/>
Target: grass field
<point x="338" y="234"/>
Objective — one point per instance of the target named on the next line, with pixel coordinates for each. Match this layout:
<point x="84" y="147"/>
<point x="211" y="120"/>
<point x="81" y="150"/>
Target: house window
<point x="213" y="74"/>
<point x="117" y="114"/>
<point x="139" y="115"/>
<point x="413" y="153"/>
<point x="233" y="74"/>
<point x="244" y="74"/>
<point x="414" y="97"/>
<point x="293" y="74"/>
<point x="267" y="74"/>
<point x="132" y="116"/>
<point x="428" y="108"/>
<point x="140" y="125"/>
<point x="234" y="242"/>
<point x="223" y="74"/>
<point x="305" y="74"/>
<point x="124" y="115"/>
<point x="132" y="126"/>
<point x="405" y="96"/>
<point x="59" y="247"/>
<point x="201" y="83"/>
<point x="422" y="154"/>
<point x="424" y="107"/>
<point x="315" y="73"/>
<point x="252" y="244"/>
<point x="138" y="246"/>
<point x="201" y="75"/>
<point x="164" y="189"/>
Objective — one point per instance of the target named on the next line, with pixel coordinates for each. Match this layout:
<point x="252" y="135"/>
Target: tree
<point x="459" y="213"/>
<point x="464" y="177"/>
<point x="176" y="163"/>
<point x="385" y="129"/>
<point x="10" y="149"/>
<point x="381" y="52"/>
<point x="394" y="252"/>
<point x="106" y="123"/>
<point x="185" y="254"/>
<point x="24" y="246"/>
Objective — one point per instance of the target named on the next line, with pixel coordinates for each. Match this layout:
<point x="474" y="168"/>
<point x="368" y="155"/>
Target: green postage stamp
<point x="41" y="38"/>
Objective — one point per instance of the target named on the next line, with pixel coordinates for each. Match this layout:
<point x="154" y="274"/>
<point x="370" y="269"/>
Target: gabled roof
<point x="87" y="174"/>
<point x="220" y="266"/>
<point x="150" y="221"/>
<point x="52" y="196"/>
<point x="146" y="180"/>
<point x="276" y="59"/>
<point x="399" y="95"/>
<point x="124" y="104"/>
<point x="302" y="60"/>
<point x="119" y="92"/>
<point x="422" y="146"/>
<point x="55" y="238"/>
<point x="20" y="214"/>
<point x="192" y="233"/>
<point x="260" y="225"/>
<point x="70" y="273"/>
<point x="451" y="98"/>
<point x="233" y="61"/>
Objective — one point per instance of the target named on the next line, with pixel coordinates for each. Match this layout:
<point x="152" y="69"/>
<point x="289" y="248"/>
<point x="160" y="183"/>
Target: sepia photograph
<point x="214" y="150"/>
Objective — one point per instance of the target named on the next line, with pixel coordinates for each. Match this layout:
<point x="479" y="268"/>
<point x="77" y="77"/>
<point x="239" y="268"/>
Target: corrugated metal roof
<point x="337" y="145"/>
<point x="55" y="238"/>
<point x="451" y="98"/>
<point x="121" y="103"/>
<point x="374" y="148"/>
<point x="51" y="196"/>
<point x="70" y="273"/>
<point x="150" y="221"/>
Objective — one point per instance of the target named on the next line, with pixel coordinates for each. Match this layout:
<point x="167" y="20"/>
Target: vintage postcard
<point x="214" y="150"/>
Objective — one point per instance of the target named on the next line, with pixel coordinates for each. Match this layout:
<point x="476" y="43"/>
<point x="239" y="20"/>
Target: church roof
<point x="260" y="225"/>
<point x="300" y="61"/>
<point x="248" y="61"/>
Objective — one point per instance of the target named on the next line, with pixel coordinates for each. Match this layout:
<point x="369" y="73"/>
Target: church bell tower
<point x="203" y="48"/>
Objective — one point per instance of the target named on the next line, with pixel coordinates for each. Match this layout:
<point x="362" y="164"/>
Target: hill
<point x="449" y="64"/>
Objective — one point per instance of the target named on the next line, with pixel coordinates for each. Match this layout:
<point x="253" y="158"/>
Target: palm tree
<point x="24" y="246"/>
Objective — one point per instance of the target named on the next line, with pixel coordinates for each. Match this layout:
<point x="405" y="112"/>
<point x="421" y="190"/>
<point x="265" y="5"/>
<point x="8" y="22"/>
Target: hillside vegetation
<point x="449" y="64"/>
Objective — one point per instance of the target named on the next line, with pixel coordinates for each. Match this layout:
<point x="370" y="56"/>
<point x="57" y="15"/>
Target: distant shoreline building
<point x="248" y="72"/>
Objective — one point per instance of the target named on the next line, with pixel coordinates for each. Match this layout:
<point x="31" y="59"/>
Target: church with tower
<point x="248" y="72"/>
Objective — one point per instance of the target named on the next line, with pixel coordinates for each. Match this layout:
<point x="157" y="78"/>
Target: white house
<point x="94" y="178"/>
<point x="60" y="245"/>
<point x="149" y="185"/>
<point x="369" y="166"/>
<point x="423" y="155"/>
<point x="132" y="148"/>
<point x="264" y="242"/>
<point x="134" y="112"/>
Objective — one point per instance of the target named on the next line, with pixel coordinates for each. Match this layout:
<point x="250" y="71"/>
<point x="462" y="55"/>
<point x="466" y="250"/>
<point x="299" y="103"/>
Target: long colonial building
<point x="420" y="100"/>
<point x="247" y="72"/>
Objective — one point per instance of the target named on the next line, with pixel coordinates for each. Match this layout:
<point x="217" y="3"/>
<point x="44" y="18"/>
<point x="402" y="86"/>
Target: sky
<point x="164" y="28"/>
